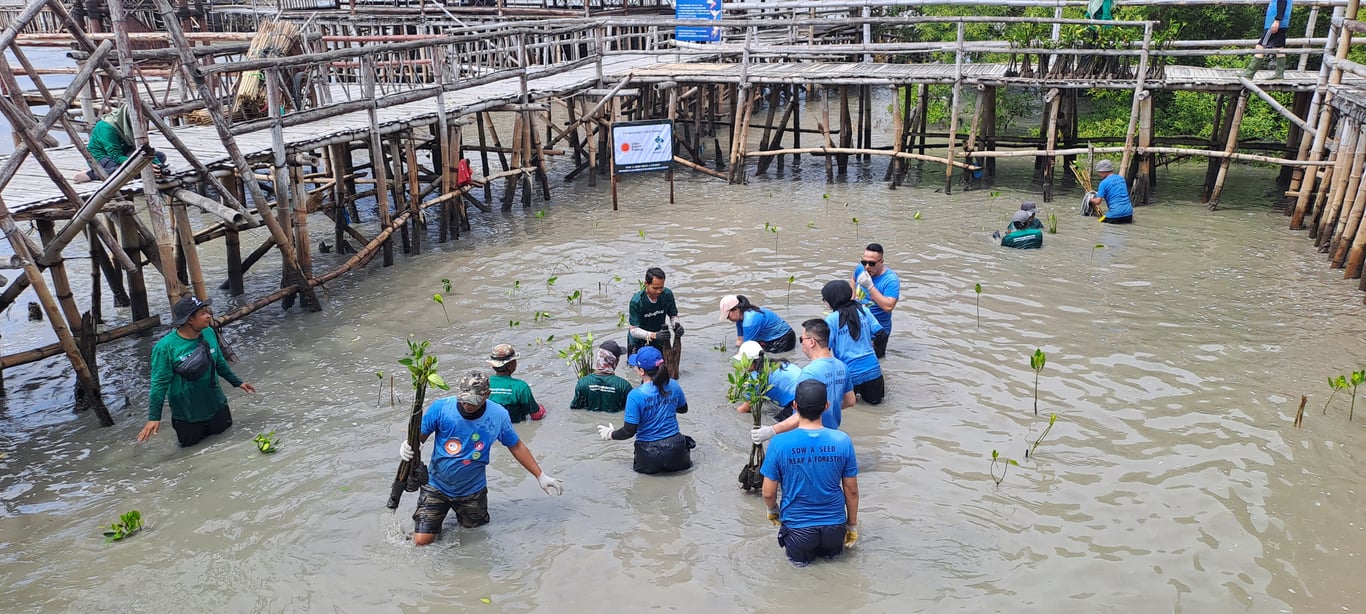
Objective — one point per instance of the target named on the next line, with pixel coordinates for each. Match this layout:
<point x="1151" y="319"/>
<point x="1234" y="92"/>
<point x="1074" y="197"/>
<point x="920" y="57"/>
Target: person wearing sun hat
<point x="602" y="390"/>
<point x="465" y="426"/>
<point x="1032" y="209"/>
<point x="1114" y="193"/>
<point x="1021" y="235"/>
<point x="652" y="418"/>
<point x="508" y="391"/>
<point x="755" y="323"/>
<point x="186" y="365"/>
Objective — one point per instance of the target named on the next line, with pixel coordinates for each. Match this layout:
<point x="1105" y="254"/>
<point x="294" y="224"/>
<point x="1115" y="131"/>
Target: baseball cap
<point x="1021" y="216"/>
<point x="502" y="354"/>
<point x="1105" y="166"/>
<point x="473" y="388"/>
<point x="728" y="302"/>
<point x="185" y="307"/>
<point x="749" y="349"/>
<point x="647" y="358"/>
<point x="811" y="393"/>
<point x="1029" y="206"/>
<point x="613" y="347"/>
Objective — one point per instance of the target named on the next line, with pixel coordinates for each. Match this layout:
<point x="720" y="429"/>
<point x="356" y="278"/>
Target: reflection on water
<point x="1173" y="480"/>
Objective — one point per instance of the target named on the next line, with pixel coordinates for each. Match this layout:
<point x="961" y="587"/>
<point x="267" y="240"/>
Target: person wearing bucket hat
<point x="1114" y="193"/>
<point x="754" y="323"/>
<point x="1032" y="209"/>
<point x="652" y="418"/>
<point x="508" y="391"/>
<point x="818" y="474"/>
<point x="1021" y="236"/>
<point x="602" y="390"/>
<point x="465" y="426"/>
<point x="782" y="379"/>
<point x="185" y="366"/>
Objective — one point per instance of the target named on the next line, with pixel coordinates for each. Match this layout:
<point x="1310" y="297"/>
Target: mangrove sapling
<point x="916" y="217"/>
<point x="379" y="395"/>
<point x="621" y="319"/>
<point x="579" y="354"/>
<point x="446" y="285"/>
<point x="550" y="281"/>
<point x="855" y="221"/>
<point x="516" y="285"/>
<point x="542" y="315"/>
<point x="773" y="229"/>
<point x="1357" y="378"/>
<point x="540" y="215"/>
<point x="1340" y="383"/>
<point x="1005" y="466"/>
<point x="1038" y="440"/>
<point x="978" y="289"/>
<point x="128" y="524"/>
<point x="811" y="224"/>
<point x="790" y="279"/>
<point x="573" y="297"/>
<point x="750" y="387"/>
<point x="513" y="323"/>
<point x="1093" y="252"/>
<point x="266" y="443"/>
<point x="442" y="302"/>
<point x="1052" y="223"/>
<point x="1036" y="362"/>
<point x="412" y="474"/>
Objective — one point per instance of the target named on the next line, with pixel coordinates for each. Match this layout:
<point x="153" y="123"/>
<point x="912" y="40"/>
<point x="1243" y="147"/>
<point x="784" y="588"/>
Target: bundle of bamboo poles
<point x="274" y="39"/>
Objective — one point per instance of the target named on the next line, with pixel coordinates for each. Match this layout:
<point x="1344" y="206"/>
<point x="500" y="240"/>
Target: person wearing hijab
<point x="852" y="328"/>
<point x="111" y="142"/>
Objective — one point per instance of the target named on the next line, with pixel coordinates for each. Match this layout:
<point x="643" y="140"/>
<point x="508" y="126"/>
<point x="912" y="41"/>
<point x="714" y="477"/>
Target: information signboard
<point x="643" y="145"/>
<point x="697" y="9"/>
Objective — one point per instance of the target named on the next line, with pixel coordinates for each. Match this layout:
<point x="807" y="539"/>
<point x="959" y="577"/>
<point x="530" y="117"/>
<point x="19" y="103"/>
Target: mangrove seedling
<point x="773" y="229"/>
<point x="542" y="315"/>
<point x="811" y="224"/>
<point x="540" y="215"/>
<point x="513" y="323"/>
<point x="640" y="233"/>
<point x="1357" y="378"/>
<point x="516" y="285"/>
<point x="1038" y="440"/>
<point x="579" y="354"/>
<point x="916" y="217"/>
<point x="412" y="474"/>
<point x="446" y="285"/>
<point x="266" y="443"/>
<point x="621" y="319"/>
<point x="574" y="296"/>
<point x="1093" y="252"/>
<point x="1036" y="362"/>
<point x="1340" y="383"/>
<point x="128" y="524"/>
<point x="550" y="281"/>
<point x="1005" y="466"/>
<point x="978" y="289"/>
<point x="1052" y="223"/>
<point x="442" y="302"/>
<point x="790" y="279"/>
<point x="379" y="396"/>
<point x="855" y="221"/>
<point x="749" y="387"/>
<point x="995" y="193"/>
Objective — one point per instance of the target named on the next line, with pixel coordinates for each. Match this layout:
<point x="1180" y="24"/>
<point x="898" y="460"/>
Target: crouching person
<point x="652" y="418"/>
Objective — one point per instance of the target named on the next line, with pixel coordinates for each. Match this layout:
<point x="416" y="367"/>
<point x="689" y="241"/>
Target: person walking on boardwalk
<point x="465" y="426"/>
<point x="817" y="472"/>
<point x="512" y="393"/>
<point x="852" y="331"/>
<point x="186" y="365"/>
<point x="602" y="390"/>
<point x="654" y="321"/>
<point x="1114" y="193"/>
<point x="652" y="418"/>
<point x="879" y="289"/>
<point x="824" y="368"/>
<point x="1275" y="27"/>
<point x="754" y="323"/>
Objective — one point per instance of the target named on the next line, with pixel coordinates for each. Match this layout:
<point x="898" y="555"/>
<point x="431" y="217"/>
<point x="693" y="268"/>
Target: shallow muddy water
<point x="1173" y="480"/>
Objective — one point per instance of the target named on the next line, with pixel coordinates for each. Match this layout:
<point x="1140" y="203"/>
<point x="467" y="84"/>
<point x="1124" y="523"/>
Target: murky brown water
<point x="1173" y="480"/>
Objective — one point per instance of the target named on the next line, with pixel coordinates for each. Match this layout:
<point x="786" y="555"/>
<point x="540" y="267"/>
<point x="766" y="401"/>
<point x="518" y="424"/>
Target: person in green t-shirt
<point x="508" y="391"/>
<point x="1022" y="235"/>
<point x="602" y="390"/>
<point x="186" y="365"/>
<point x="654" y="320"/>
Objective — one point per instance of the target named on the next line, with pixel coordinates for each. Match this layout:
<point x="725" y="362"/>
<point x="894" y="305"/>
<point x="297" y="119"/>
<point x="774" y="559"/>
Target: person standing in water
<point x="653" y="319"/>
<point x="512" y="393"/>
<point x="652" y="418"/>
<point x="852" y="330"/>
<point x="879" y="289"/>
<point x="602" y="390"/>
<point x="824" y="368"/>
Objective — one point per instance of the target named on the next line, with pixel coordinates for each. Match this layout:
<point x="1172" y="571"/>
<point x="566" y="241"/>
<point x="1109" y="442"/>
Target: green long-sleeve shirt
<point x="105" y="143"/>
<point x="191" y="400"/>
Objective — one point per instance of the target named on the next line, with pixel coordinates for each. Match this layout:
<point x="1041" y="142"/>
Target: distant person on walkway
<point x="602" y="390"/>
<point x="504" y="389"/>
<point x="824" y="368"/>
<point x="111" y="142"/>
<point x="852" y="331"/>
<point x="1021" y="235"/>
<point x="782" y="380"/>
<point x="654" y="318"/>
<point x="1275" y="26"/>
<point x="1114" y="193"/>
<point x="652" y="418"/>
<point x="879" y="289"/>
<point x="465" y="425"/>
<point x="754" y="323"/>
<point x="818" y="474"/>
<point x="186" y="365"/>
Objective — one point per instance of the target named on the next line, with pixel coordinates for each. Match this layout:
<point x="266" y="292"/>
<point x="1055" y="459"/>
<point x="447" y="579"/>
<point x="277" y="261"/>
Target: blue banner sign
<point x="697" y="9"/>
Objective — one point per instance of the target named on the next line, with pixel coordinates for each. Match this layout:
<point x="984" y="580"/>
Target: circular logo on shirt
<point x="479" y="446"/>
<point x="476" y="455"/>
<point x="474" y="437"/>
<point x="453" y="446"/>
<point x="465" y="462"/>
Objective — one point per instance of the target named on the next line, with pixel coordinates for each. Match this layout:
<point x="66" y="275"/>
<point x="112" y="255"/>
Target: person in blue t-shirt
<point x="465" y="427"/>
<point x="852" y="329"/>
<point x="782" y="380"/>
<point x="818" y="473"/>
<point x="824" y="368"/>
<point x="754" y="323"/>
<point x="1113" y="191"/>
<point x="652" y="418"/>
<point x="879" y="290"/>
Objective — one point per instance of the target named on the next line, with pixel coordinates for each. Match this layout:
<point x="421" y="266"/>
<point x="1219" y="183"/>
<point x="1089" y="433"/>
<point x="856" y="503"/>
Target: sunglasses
<point x="870" y="263"/>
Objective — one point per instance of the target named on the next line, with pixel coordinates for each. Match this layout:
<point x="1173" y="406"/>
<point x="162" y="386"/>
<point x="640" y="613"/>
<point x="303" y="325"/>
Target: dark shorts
<point x="782" y="344"/>
<point x="665" y="455"/>
<point x="871" y="390"/>
<point x="191" y="433"/>
<point x="1273" y="41"/>
<point x="880" y="343"/>
<point x="804" y="545"/>
<point x="1128" y="219"/>
<point x="432" y="507"/>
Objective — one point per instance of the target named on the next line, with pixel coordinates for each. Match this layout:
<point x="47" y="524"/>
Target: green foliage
<point x="442" y="302"/>
<point x="542" y="315"/>
<point x="1038" y="440"/>
<point x="1036" y="362"/>
<point x="127" y="525"/>
<point x="855" y="221"/>
<point x="1339" y="383"/>
<point x="978" y="289"/>
<point x="550" y="281"/>
<point x="540" y="215"/>
<point x="575" y="296"/>
<point x="513" y="323"/>
<point x="621" y="319"/>
<point x="749" y="386"/>
<point x="379" y="396"/>
<point x="422" y="367"/>
<point x="579" y="354"/>
<point x="790" y="279"/>
<point x="1005" y="466"/>
<point x="1357" y="378"/>
<point x="266" y="443"/>
<point x="516" y="285"/>
<point x="446" y="285"/>
<point x="1052" y="224"/>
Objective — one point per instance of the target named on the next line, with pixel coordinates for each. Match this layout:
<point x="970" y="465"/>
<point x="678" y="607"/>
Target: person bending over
<point x="652" y="418"/>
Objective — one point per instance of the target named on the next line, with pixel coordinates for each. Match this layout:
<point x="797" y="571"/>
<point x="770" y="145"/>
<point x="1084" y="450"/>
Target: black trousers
<point x="191" y="433"/>
<point x="871" y="390"/>
<point x="880" y="343"/>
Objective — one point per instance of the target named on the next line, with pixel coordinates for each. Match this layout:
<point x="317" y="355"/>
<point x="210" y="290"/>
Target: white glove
<point x="864" y="280"/>
<point x="761" y="434"/>
<point x="605" y="431"/>
<point x="548" y="483"/>
<point x="405" y="451"/>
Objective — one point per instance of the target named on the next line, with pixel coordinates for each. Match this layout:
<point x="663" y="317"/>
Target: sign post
<point x="641" y="146"/>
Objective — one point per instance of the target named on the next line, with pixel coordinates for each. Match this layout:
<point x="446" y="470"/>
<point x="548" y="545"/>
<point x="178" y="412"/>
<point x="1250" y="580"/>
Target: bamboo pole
<point x="189" y="249"/>
<point x="832" y="151"/>
<point x="377" y="166"/>
<point x="34" y="355"/>
<point x="825" y="133"/>
<point x="1322" y="230"/>
<point x="1321" y="87"/>
<point x="1054" y="99"/>
<point x="898" y="138"/>
<point x="953" y="111"/>
<point x="1141" y="79"/>
<point x="1180" y="151"/>
<point x="1276" y="106"/>
<point x="1325" y="119"/>
<point x="1144" y="180"/>
<point x="1229" y="146"/>
<point x="1353" y="200"/>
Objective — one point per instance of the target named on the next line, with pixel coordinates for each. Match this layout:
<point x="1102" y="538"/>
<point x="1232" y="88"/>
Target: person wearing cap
<point x="879" y="289"/>
<point x="1032" y="209"/>
<point x="652" y="418"/>
<point x="1114" y="193"/>
<point x="1021" y="235"/>
<point x="817" y="472"/>
<point x="186" y="365"/>
<point x="602" y="390"/>
<point x="754" y="323"/>
<point x="824" y="368"/>
<point x="504" y="389"/>
<point x="465" y="427"/>
<point x="782" y="378"/>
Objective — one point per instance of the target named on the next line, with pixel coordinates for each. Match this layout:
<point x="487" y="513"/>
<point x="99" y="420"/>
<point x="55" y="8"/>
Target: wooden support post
<point x="866" y="104"/>
<point x="233" y="243"/>
<point x="131" y="241"/>
<point x="825" y="133"/>
<point x="953" y="111"/>
<point x="484" y="154"/>
<point x="846" y="130"/>
<point x="112" y="274"/>
<point x="1326" y="112"/>
<point x="340" y="194"/>
<point x="989" y="129"/>
<point x="1353" y="203"/>
<point x="768" y="128"/>
<point x="303" y="243"/>
<point x="1230" y="145"/>
<point x="1139" y="93"/>
<point x="188" y="248"/>
<point x="898" y="141"/>
<point x="377" y="165"/>
<point x="1054" y="99"/>
<point x="923" y="107"/>
<point x="396" y="186"/>
<point x="1142" y="183"/>
<point x="1322" y="230"/>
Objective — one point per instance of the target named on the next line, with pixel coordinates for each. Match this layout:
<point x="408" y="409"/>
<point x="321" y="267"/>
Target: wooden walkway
<point x="32" y="190"/>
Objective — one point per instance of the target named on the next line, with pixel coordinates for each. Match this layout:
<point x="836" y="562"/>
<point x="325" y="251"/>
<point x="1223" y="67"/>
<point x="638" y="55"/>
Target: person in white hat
<point x="757" y="324"/>
<point x="782" y="379"/>
<point x="1114" y="193"/>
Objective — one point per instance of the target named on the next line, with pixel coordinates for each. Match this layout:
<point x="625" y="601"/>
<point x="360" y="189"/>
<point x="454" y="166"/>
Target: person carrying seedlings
<point x="602" y="390"/>
<point x="654" y="316"/>
<point x="111" y="142"/>
<point x="818" y="475"/>
<point x="879" y="289"/>
<point x="1275" y="27"/>
<point x="1021" y="235"/>
<point x="783" y="378"/>
<point x="754" y="323"/>
<point x="852" y="331"/>
<point x="504" y="389"/>
<point x="1114" y="193"/>
<point x="652" y="418"/>
<point x="465" y="427"/>
<point x="186" y="365"/>
<point x="824" y="368"/>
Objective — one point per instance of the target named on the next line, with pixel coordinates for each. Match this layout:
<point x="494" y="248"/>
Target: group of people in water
<point x="1109" y="201"/>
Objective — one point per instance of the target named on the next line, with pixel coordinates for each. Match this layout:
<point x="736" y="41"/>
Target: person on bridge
<point x="602" y="390"/>
<point x="824" y="368"/>
<point x="1022" y="235"/>
<point x="512" y="393"/>
<point x="186" y="365"/>
<point x="757" y="324"/>
<point x="654" y="319"/>
<point x="1114" y="193"/>
<point x="652" y="418"/>
<point x="818" y="473"/>
<point x="465" y="426"/>
<point x="1275" y="26"/>
<point x="879" y="289"/>
<point x="111" y="141"/>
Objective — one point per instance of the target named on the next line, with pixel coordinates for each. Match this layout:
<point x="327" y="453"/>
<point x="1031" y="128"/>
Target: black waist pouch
<point x="194" y="365"/>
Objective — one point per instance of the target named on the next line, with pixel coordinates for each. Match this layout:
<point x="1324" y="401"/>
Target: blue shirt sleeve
<point x="770" y="467"/>
<point x="870" y="322"/>
<point x="633" y="407"/>
<point x="675" y="389"/>
<point x="429" y="418"/>
<point x="506" y="435"/>
<point x="892" y="289"/>
<point x="850" y="460"/>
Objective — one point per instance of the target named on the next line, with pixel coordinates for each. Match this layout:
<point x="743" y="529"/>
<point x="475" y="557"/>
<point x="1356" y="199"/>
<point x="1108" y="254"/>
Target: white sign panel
<point x="643" y="145"/>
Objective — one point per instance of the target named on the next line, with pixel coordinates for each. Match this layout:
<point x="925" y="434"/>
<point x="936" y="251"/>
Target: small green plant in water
<point x="127" y="525"/>
<point x="978" y="289"/>
<point x="513" y="323"/>
<point x="773" y="229"/>
<point x="1052" y="223"/>
<point x="1357" y="378"/>
<point x="811" y="224"/>
<point x="575" y="296"/>
<point x="540" y="215"/>
<point x="1340" y="383"/>
<point x="542" y="315"/>
<point x="579" y="354"/>
<point x="621" y="319"/>
<point x="995" y="193"/>
<point x="1093" y="252"/>
<point x="550" y="281"/>
<point x="1038" y="440"/>
<point x="1036" y="362"/>
<point x="640" y="233"/>
<point x="855" y="221"/>
<point x="790" y="279"/>
<point x="748" y="386"/>
<point x="266" y="443"/>
<point x="1005" y="466"/>
<point x="379" y="396"/>
<point x="442" y="302"/>
<point x="446" y="285"/>
<point x="916" y="217"/>
<point x="516" y="285"/>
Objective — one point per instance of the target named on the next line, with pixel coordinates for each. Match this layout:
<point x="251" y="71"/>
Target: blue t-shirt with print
<point x="655" y="415"/>
<point x="889" y="285"/>
<point x="835" y="376"/>
<point x="858" y="354"/>
<point x="463" y="447"/>
<point x="782" y="383"/>
<point x="809" y="466"/>
<point x="761" y="325"/>
<point x="1116" y="195"/>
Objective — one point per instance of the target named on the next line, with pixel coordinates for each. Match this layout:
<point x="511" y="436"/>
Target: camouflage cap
<point x="501" y="355"/>
<point x="473" y="388"/>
